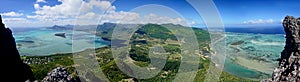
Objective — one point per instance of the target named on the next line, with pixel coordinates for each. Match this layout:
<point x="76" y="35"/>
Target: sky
<point x="234" y="13"/>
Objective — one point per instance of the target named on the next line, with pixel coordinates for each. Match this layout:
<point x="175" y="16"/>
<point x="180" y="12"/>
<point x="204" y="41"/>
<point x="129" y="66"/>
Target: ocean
<point x="254" y="57"/>
<point x="256" y="30"/>
<point x="42" y="41"/>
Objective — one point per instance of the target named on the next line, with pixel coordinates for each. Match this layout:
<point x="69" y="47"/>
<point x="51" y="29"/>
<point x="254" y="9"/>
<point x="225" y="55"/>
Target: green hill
<point x="144" y="38"/>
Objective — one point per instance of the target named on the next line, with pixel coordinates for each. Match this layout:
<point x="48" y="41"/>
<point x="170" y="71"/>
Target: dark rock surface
<point x="289" y="63"/>
<point x="12" y="68"/>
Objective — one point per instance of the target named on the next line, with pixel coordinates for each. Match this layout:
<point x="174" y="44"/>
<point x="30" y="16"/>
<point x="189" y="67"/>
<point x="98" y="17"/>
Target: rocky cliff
<point x="12" y="68"/>
<point x="289" y="62"/>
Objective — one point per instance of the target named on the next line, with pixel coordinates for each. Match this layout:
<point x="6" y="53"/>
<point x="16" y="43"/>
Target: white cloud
<point x="103" y="5"/>
<point x="40" y="1"/>
<point x="259" y="21"/>
<point x="14" y="19"/>
<point x="136" y="18"/>
<point x="153" y="18"/>
<point x="89" y="15"/>
<point x="36" y="6"/>
<point x="70" y="9"/>
<point x="192" y="22"/>
<point x="16" y="22"/>
<point x="67" y="8"/>
<point x="13" y="14"/>
<point x="89" y="12"/>
<point x="122" y="17"/>
<point x="115" y="17"/>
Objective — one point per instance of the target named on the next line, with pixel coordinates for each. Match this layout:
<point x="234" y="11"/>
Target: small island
<point x="61" y="35"/>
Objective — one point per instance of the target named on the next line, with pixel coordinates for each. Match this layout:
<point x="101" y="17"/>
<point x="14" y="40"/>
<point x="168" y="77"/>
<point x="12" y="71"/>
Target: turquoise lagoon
<point x="251" y="56"/>
<point x="42" y="41"/>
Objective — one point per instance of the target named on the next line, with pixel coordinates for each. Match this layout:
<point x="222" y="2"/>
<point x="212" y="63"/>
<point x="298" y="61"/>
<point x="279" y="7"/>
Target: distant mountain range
<point x="109" y="26"/>
<point x="66" y="27"/>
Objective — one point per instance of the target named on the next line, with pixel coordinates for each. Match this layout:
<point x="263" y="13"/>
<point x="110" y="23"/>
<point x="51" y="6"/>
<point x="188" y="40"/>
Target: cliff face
<point x="289" y="63"/>
<point x="12" y="68"/>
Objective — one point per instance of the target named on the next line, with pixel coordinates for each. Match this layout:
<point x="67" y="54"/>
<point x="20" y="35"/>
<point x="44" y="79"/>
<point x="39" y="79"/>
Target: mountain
<point x="153" y="30"/>
<point x="66" y="27"/>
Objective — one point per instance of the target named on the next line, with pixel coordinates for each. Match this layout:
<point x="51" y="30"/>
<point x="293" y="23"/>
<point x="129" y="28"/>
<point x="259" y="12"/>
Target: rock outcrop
<point x="12" y="68"/>
<point x="289" y="63"/>
<point x="59" y="74"/>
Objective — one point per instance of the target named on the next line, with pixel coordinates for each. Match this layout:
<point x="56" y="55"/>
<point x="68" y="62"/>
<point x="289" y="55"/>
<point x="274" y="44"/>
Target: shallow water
<point x="253" y="56"/>
<point x="42" y="41"/>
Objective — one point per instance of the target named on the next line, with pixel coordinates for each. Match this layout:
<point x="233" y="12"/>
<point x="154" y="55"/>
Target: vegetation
<point x="145" y="38"/>
<point x="41" y="70"/>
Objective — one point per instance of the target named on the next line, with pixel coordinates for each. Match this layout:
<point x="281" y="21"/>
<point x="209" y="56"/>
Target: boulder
<point x="59" y="74"/>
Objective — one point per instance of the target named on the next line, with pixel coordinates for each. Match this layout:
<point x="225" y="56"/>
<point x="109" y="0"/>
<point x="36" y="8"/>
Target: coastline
<point x="262" y="66"/>
<point x="243" y="62"/>
<point x="255" y="65"/>
<point x="43" y="42"/>
<point x="252" y="60"/>
<point x="69" y="52"/>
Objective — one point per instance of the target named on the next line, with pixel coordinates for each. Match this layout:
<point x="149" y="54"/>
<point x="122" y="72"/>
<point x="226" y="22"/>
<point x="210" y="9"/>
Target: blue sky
<point x="234" y="13"/>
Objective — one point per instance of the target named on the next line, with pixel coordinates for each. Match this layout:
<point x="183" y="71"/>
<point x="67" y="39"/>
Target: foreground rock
<point x="289" y="63"/>
<point x="59" y="74"/>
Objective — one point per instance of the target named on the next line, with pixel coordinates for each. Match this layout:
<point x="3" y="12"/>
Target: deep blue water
<point x="256" y="30"/>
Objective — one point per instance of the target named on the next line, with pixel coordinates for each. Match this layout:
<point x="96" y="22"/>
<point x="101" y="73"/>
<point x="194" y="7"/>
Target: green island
<point x="144" y="38"/>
